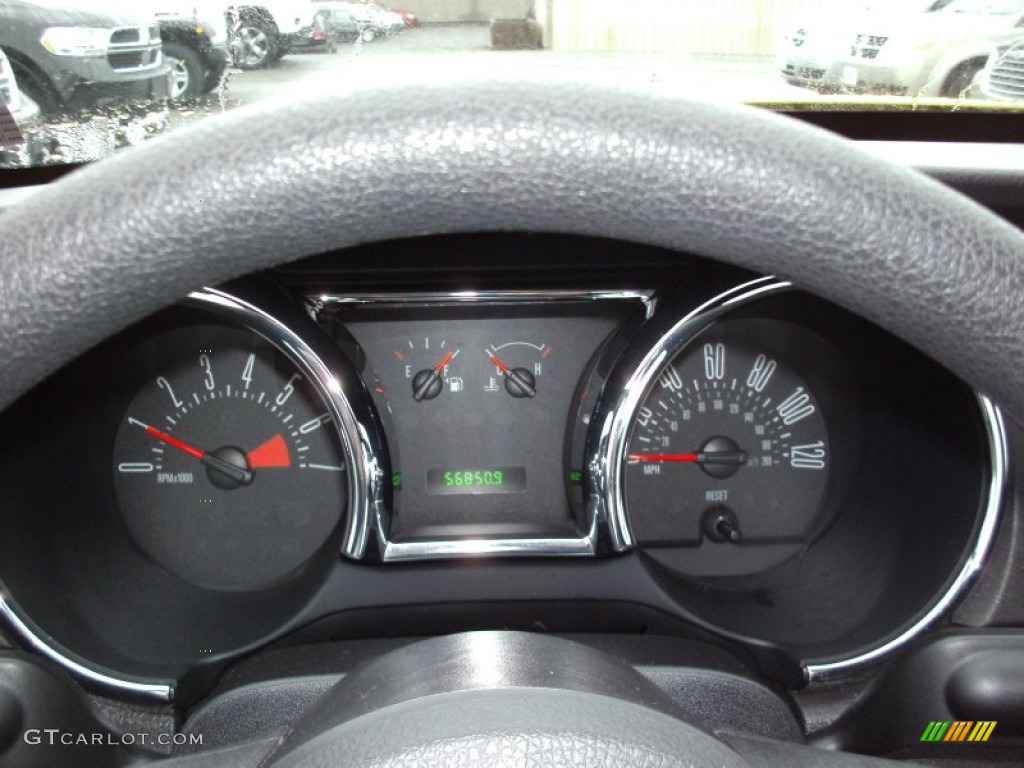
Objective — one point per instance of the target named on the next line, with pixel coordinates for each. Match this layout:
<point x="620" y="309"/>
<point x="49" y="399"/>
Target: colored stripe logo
<point x="959" y="730"/>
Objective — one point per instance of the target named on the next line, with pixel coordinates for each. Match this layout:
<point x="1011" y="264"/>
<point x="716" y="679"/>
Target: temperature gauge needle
<point x="424" y="386"/>
<point x="235" y="472"/>
<point x="703" y="457"/>
<point x="524" y="384"/>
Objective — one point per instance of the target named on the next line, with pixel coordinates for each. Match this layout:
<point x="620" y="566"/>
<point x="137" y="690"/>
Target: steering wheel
<point x="279" y="181"/>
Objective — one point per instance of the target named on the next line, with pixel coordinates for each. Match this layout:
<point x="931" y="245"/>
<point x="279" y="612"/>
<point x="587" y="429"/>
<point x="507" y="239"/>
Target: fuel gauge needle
<point x="236" y="473"/>
<point x="421" y="391"/>
<point x="524" y="384"/>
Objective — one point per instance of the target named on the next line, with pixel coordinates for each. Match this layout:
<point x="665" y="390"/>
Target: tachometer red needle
<point x="272" y="453"/>
<point x="181" y="445"/>
<point x="663" y="457"/>
<point x="239" y="474"/>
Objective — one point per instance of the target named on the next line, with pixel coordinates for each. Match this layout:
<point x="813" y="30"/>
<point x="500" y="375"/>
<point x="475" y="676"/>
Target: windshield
<point x="81" y="80"/>
<point x="1001" y="7"/>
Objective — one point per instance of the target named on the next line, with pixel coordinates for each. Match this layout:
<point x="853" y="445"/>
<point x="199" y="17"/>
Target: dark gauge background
<point x="477" y="421"/>
<point x="227" y="391"/>
<point x="104" y="596"/>
<point x="738" y="385"/>
<point x="907" y="476"/>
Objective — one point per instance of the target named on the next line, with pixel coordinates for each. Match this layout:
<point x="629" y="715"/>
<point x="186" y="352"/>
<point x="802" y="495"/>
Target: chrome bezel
<point x="341" y="387"/>
<point x="586" y="545"/>
<point x="150" y="690"/>
<point x="606" y="458"/>
<point x="270" y="317"/>
<point x="606" y="448"/>
<point x="995" y="429"/>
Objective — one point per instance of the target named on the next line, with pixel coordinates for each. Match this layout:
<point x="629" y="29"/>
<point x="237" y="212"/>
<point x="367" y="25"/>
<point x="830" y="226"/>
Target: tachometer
<point x="227" y="468"/>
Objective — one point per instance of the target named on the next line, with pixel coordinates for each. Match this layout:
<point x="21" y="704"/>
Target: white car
<point x="812" y="53"/>
<point x="937" y="54"/>
<point x="375" y="21"/>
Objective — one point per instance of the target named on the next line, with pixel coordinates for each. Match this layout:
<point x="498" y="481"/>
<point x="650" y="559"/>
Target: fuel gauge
<point x="428" y="367"/>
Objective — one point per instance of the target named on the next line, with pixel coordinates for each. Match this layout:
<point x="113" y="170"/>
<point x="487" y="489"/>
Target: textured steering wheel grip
<point x="507" y="728"/>
<point x="281" y="180"/>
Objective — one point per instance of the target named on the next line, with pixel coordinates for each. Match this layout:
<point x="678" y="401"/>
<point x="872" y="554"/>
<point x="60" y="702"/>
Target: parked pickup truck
<point x="67" y="57"/>
<point x="195" y="43"/>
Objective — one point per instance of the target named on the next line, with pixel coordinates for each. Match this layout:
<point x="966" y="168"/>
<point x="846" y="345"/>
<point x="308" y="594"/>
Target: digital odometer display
<point x="456" y="482"/>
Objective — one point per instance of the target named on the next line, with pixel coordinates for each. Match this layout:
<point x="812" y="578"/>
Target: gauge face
<point x="519" y="365"/>
<point x="729" y="449"/>
<point x="427" y="364"/>
<point x="228" y="471"/>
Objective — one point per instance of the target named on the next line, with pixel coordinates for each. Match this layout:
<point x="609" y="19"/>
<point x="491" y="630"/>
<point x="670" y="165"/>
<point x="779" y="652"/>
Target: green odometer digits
<point x="729" y="448"/>
<point x="490" y="480"/>
<point x="228" y="471"/>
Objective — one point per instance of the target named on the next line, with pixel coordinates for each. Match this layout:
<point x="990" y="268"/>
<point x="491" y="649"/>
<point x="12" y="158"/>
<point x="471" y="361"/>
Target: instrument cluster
<point x="266" y="461"/>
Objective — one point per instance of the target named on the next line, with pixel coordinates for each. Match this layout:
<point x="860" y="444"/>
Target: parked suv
<point x="934" y="54"/>
<point x="68" y="57"/>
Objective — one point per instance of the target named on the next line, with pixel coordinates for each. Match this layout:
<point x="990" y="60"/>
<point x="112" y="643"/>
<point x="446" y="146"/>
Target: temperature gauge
<point x="518" y="367"/>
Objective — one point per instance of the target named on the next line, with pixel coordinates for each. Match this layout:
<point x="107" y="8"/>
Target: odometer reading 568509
<point x="728" y="448"/>
<point x="455" y="482"/>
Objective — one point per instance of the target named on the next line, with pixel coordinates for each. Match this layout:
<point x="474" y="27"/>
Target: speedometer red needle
<point x="692" y="457"/>
<point x="736" y="458"/>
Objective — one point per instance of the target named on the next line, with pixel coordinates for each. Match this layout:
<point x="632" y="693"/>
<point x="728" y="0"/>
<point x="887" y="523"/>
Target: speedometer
<point x="729" y="449"/>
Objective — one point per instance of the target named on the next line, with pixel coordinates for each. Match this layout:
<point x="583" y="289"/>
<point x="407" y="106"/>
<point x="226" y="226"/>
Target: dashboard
<point x="652" y="444"/>
<point x="621" y="496"/>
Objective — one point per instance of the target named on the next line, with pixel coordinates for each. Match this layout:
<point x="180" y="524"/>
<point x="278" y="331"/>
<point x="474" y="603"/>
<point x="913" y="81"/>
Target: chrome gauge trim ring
<point x="357" y="423"/>
<point x="606" y="449"/>
<point x="995" y="429"/>
<point x="157" y="691"/>
<point x="586" y="545"/>
<point x="268" y="316"/>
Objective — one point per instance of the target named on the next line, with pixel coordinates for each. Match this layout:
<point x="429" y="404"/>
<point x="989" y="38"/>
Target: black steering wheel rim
<point x="276" y="182"/>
